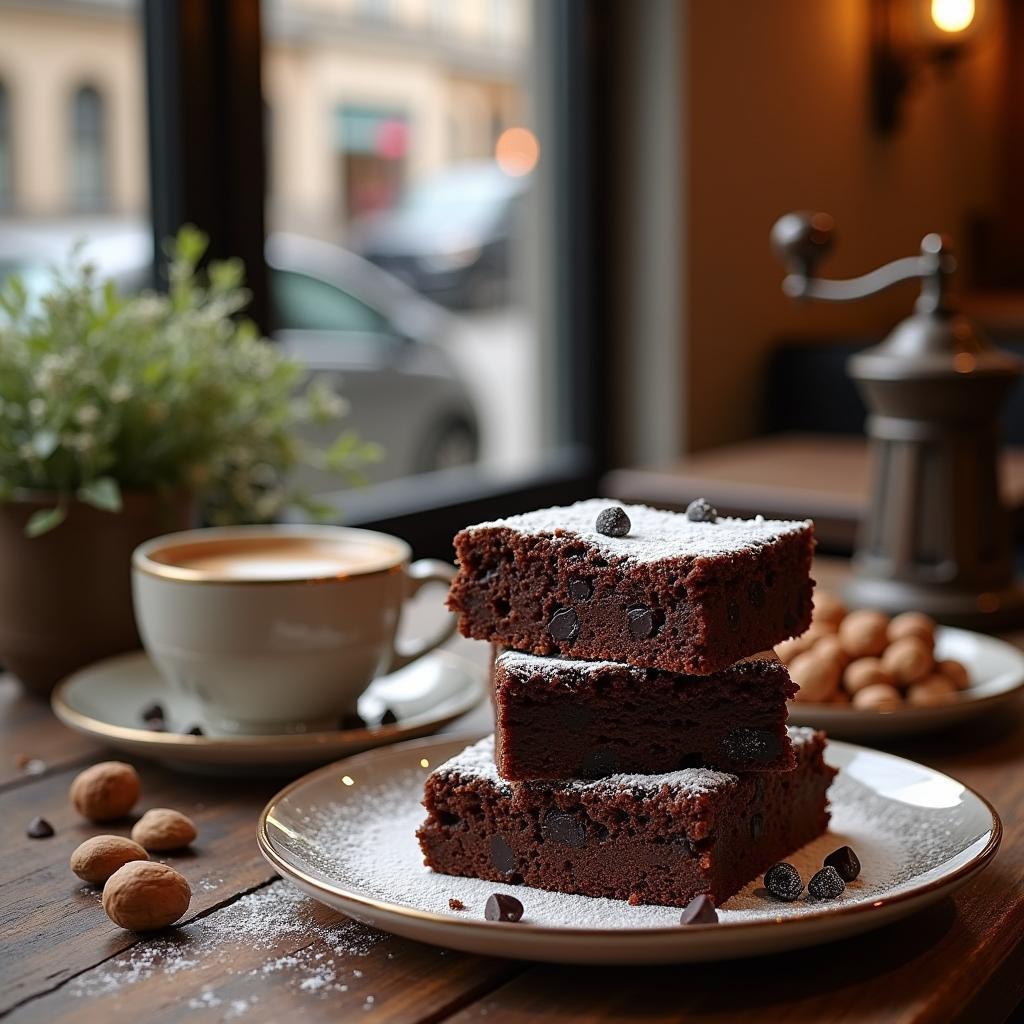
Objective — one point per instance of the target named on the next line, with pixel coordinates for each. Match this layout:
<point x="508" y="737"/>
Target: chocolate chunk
<point x="613" y="522"/>
<point x="389" y="718"/>
<point x="151" y="712"/>
<point x="846" y="863"/>
<point x="700" y="910"/>
<point x="454" y="904"/>
<point x="195" y="731"/>
<point x="564" y="625"/>
<point x="757" y="746"/>
<point x="598" y="763"/>
<point x="641" y="622"/>
<point x="826" y="884"/>
<point x="580" y="590"/>
<point x="783" y="881"/>
<point x="756" y="827"/>
<point x="39" y="828"/>
<point x="502" y="907"/>
<point x="351" y="720"/>
<point x="700" y="511"/>
<point x="564" y="828"/>
<point x="502" y="857"/>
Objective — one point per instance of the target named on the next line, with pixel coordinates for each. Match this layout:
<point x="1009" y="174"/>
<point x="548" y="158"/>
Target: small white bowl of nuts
<point x="863" y="673"/>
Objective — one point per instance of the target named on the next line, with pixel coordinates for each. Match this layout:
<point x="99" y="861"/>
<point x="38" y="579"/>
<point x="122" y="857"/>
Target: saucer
<point x="105" y="701"/>
<point x="996" y="671"/>
<point x="345" y="834"/>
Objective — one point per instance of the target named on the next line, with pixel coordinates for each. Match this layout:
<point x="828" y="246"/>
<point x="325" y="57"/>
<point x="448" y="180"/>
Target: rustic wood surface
<point x="251" y="948"/>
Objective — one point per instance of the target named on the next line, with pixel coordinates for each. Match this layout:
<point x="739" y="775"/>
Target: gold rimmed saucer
<point x="105" y="701"/>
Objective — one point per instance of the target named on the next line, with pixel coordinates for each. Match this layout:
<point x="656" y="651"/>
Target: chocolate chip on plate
<point x="501" y="907"/>
<point x="39" y="828"/>
<point x="826" y="884"/>
<point x="152" y="712"/>
<point x="846" y="863"/>
<point x="389" y="718"/>
<point x="641" y="622"/>
<point x="613" y="522"/>
<point x="351" y="720"/>
<point x="700" y="910"/>
<point x="564" y="625"/>
<point x="701" y="511"/>
<point x="783" y="881"/>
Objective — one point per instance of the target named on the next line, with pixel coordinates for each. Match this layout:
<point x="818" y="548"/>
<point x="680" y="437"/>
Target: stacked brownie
<point x="640" y="749"/>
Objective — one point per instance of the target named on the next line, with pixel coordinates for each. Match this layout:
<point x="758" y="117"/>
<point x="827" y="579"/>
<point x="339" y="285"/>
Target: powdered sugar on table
<point x="654" y="535"/>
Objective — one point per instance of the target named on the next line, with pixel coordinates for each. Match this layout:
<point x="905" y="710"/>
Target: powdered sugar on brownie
<point x="477" y="762"/>
<point x="550" y="666"/>
<point x="654" y="535"/>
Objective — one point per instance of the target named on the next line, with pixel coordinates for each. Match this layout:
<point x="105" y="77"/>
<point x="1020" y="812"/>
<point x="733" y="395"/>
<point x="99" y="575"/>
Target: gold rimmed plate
<point x="345" y="834"/>
<point x="996" y="671"/>
<point x="106" y="701"/>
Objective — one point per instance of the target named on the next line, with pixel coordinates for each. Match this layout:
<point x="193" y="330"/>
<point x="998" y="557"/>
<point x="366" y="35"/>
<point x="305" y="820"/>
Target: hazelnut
<point x="105" y="791"/>
<point x="98" y="858"/>
<point x="818" y="678"/>
<point x="863" y="633"/>
<point x="879" y="697"/>
<point x="144" y="895"/>
<point x="828" y="609"/>
<point x="829" y="648"/>
<point x="955" y="672"/>
<point x="865" y="672"/>
<point x="163" y="829"/>
<point x="933" y="690"/>
<point x="913" y="624"/>
<point x="789" y="649"/>
<point x="909" y="660"/>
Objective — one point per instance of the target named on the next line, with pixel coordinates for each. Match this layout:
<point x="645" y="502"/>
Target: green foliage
<point x="102" y="394"/>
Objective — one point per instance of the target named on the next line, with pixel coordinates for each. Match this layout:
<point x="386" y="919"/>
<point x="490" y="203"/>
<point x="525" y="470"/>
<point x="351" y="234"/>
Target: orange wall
<point x="779" y="121"/>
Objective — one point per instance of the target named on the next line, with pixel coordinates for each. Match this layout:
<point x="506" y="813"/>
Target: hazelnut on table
<point x="105" y="791"/>
<point x="163" y="828"/>
<point x="864" y="634"/>
<point x="98" y="858"/>
<point x="143" y="896"/>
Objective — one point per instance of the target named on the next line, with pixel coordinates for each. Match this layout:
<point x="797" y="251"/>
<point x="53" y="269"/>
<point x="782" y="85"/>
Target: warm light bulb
<point x="517" y="151"/>
<point x="952" y="15"/>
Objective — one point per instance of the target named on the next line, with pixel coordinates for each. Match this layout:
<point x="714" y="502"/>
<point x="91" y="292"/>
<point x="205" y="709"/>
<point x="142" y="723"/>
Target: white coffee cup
<point x="270" y="629"/>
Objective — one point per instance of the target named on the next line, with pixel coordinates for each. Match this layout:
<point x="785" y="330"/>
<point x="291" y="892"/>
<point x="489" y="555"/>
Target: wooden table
<point x="244" y="952"/>
<point x="783" y="476"/>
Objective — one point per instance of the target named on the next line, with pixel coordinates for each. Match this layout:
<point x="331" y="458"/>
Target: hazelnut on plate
<point x="817" y="677"/>
<point x="955" y="672"/>
<point x="865" y="672"/>
<point x="932" y="691"/>
<point x="98" y="858"/>
<point x="827" y="609"/>
<point x="789" y="649"/>
<point x="863" y="633"/>
<point x="909" y="660"/>
<point x="879" y="697"/>
<point x="143" y="896"/>
<point x="163" y="828"/>
<point x="105" y="791"/>
<point x="915" y="624"/>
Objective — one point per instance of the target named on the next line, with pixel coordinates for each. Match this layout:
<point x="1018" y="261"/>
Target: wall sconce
<point x="909" y="37"/>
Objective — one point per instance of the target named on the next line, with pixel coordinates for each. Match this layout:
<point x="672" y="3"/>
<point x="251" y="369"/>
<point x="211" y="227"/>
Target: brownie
<point x="644" y="838"/>
<point x="673" y="594"/>
<point x="561" y="719"/>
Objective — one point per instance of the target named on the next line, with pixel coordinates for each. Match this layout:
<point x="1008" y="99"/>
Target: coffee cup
<point x="271" y="629"/>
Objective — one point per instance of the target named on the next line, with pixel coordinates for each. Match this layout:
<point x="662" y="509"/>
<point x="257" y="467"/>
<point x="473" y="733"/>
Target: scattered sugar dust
<point x="259" y="922"/>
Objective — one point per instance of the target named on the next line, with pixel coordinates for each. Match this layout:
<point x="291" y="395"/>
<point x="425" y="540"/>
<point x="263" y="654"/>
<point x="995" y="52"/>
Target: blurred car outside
<point x="451" y="236"/>
<point x="379" y="343"/>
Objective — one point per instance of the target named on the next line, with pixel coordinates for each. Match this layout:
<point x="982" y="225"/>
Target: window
<point x="304" y="303"/>
<point x="6" y="157"/>
<point x="88" y="151"/>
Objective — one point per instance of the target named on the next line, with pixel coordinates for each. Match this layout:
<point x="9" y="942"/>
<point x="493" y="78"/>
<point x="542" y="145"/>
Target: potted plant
<point x="122" y="418"/>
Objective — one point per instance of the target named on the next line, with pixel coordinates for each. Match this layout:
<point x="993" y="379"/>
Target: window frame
<point x="207" y="166"/>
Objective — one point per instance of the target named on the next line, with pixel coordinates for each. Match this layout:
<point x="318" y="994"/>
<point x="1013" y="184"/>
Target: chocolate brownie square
<point x="671" y="593"/>
<point x="644" y="838"/>
<point x="561" y="719"/>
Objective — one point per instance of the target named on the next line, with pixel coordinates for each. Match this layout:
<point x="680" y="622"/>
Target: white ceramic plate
<point x="345" y="835"/>
<point x="997" y="676"/>
<point x="105" y="701"/>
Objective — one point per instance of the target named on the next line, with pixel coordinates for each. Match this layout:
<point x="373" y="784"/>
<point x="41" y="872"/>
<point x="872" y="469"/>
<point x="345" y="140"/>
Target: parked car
<point x="451" y="236"/>
<point x="379" y="341"/>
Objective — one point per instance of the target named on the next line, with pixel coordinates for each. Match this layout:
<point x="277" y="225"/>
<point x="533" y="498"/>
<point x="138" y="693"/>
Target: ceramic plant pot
<point x="65" y="597"/>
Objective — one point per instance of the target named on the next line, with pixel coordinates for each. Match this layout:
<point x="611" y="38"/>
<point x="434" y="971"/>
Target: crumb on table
<point x="454" y="904"/>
